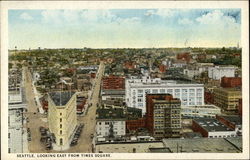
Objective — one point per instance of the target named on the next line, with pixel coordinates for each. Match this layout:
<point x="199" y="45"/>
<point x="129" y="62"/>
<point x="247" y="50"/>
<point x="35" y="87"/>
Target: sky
<point x="124" y="28"/>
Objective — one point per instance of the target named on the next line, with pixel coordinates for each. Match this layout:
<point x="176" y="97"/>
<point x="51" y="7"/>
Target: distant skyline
<point x="124" y="28"/>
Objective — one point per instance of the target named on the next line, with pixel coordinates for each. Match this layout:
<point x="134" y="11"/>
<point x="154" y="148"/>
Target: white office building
<point x="104" y="127"/>
<point x="190" y="94"/>
<point x="218" y="72"/>
<point x="200" y="111"/>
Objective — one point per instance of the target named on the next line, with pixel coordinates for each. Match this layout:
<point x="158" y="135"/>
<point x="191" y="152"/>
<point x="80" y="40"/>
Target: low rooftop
<point x="205" y="145"/>
<point x="237" y="120"/>
<point x="211" y="124"/>
<point x="106" y="113"/>
<point x="131" y="147"/>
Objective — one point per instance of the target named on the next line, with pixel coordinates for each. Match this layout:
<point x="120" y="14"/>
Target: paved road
<point x="35" y="118"/>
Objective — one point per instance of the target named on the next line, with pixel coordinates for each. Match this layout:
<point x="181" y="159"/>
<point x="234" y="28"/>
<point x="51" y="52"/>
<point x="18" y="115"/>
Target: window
<point x="61" y="141"/>
<point x="60" y="114"/>
<point x="147" y="90"/>
<point x="60" y="131"/>
<point x="140" y="104"/>
<point x="140" y="91"/>
<point x="106" y="123"/>
<point x="100" y="123"/>
<point x="139" y="99"/>
<point x="60" y="119"/>
<point x="60" y="125"/>
<point x="162" y="90"/>
<point x="8" y="135"/>
<point x="140" y="95"/>
<point x="9" y="150"/>
<point x="155" y="90"/>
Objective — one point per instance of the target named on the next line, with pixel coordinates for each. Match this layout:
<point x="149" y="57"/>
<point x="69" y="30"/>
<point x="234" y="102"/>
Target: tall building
<point x="163" y="116"/>
<point x="218" y="72"/>
<point x="62" y="117"/>
<point x="17" y="134"/>
<point x="190" y="94"/>
<point x="227" y="98"/>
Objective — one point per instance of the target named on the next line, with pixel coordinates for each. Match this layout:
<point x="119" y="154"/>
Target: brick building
<point x="209" y="97"/>
<point x="212" y="128"/>
<point x="113" y="82"/>
<point x="240" y="107"/>
<point x="162" y="68"/>
<point x="183" y="56"/>
<point x="135" y="124"/>
<point x="233" y="122"/>
<point x="231" y="82"/>
<point x="163" y="117"/>
<point x="129" y="65"/>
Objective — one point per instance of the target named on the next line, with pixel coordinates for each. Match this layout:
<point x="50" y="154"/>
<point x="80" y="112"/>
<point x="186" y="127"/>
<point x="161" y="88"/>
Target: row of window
<point x="108" y="123"/>
<point x="168" y="91"/>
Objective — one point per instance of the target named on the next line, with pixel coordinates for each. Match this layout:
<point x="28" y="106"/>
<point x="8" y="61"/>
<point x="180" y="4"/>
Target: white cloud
<point x="71" y="15"/>
<point x="185" y="21"/>
<point x="165" y="12"/>
<point x="26" y="16"/>
<point x="216" y="17"/>
<point x="52" y="16"/>
<point x="98" y="16"/>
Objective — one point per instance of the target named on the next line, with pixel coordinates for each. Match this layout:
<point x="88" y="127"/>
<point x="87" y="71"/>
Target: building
<point x="209" y="97"/>
<point x="113" y="82"/>
<point x="62" y="118"/>
<point x="234" y="122"/>
<point x="227" y="98"/>
<point x="163" y="117"/>
<point x="183" y="56"/>
<point x="162" y="68"/>
<point x="217" y="72"/>
<point x="200" y="111"/>
<point x="113" y="94"/>
<point x="189" y="93"/>
<point x="204" y="145"/>
<point x="110" y="122"/>
<point x="17" y="134"/>
<point x="135" y="124"/>
<point x="240" y="107"/>
<point x="231" y="82"/>
<point x="212" y="128"/>
<point x="191" y="72"/>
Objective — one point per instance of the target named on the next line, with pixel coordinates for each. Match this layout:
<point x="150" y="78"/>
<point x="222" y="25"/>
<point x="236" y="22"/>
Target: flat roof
<point x="61" y="98"/>
<point x="128" y="147"/>
<point x="234" y="119"/>
<point x="204" y="145"/>
<point x="212" y="124"/>
<point x="106" y="113"/>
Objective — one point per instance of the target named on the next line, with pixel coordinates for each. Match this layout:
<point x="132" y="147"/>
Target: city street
<point x="89" y="120"/>
<point x="35" y="119"/>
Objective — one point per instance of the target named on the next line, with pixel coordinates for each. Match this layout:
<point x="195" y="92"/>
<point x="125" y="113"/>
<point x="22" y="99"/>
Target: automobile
<point x="49" y="147"/>
<point x="29" y="138"/>
<point x="42" y="139"/>
<point x="92" y="135"/>
<point x="28" y="129"/>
